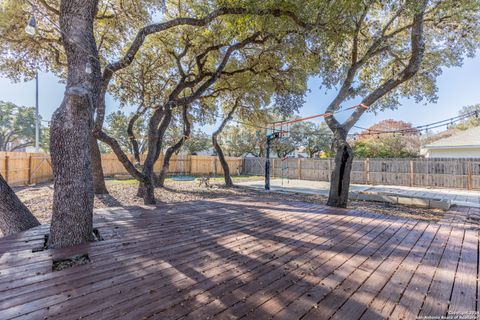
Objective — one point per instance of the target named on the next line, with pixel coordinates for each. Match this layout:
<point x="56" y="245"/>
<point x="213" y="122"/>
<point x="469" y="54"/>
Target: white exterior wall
<point x="453" y="153"/>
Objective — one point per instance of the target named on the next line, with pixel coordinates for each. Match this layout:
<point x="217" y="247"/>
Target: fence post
<point x="273" y="168"/>
<point x="6" y="168"/>
<point x="299" y="164"/>
<point x="469" y="175"/>
<point x="29" y="169"/>
<point x="367" y="170"/>
<point x="329" y="174"/>
<point x="412" y="174"/>
<point x="190" y="164"/>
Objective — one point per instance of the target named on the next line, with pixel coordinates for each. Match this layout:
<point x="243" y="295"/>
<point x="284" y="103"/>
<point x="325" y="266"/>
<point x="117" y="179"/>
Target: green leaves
<point x="377" y="36"/>
<point x="117" y="123"/>
<point x="17" y="127"/>
<point x="387" y="145"/>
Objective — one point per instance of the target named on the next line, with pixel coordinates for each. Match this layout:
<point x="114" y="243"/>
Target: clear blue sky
<point x="457" y="87"/>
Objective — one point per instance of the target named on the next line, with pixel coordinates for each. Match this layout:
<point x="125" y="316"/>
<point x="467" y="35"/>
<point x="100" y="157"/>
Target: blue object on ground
<point x="183" y="178"/>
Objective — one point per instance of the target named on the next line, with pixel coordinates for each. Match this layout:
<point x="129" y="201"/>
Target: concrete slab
<point x="433" y="198"/>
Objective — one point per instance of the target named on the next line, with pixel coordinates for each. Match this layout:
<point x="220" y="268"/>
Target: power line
<point x="321" y="115"/>
<point x="420" y="128"/>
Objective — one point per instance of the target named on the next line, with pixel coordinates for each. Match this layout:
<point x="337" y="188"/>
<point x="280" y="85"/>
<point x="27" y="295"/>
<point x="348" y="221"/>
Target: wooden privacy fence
<point x="22" y="168"/>
<point x="428" y="172"/>
<point x="179" y="165"/>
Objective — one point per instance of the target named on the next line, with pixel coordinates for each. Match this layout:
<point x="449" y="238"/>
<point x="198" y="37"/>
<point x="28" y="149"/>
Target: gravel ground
<point x="122" y="193"/>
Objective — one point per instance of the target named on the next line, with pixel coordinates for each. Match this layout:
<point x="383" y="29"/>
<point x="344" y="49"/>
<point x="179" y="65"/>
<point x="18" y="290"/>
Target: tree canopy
<point x="372" y="143"/>
<point x="17" y="128"/>
<point x="471" y="117"/>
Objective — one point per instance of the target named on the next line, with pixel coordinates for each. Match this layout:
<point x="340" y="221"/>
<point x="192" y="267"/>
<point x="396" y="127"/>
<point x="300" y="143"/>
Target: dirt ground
<point x="122" y="193"/>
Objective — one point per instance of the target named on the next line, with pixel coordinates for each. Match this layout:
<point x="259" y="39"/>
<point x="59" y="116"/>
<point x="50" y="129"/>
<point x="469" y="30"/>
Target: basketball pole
<point x="270" y="137"/>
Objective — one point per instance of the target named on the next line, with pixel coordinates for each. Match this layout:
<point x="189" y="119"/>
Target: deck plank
<point x="359" y="301"/>
<point x="414" y="295"/>
<point x="437" y="301"/>
<point x="384" y="302"/>
<point x="464" y="297"/>
<point x="340" y="290"/>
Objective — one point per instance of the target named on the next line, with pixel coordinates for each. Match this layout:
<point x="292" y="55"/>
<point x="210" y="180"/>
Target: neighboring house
<point x="464" y="144"/>
<point x="299" y="153"/>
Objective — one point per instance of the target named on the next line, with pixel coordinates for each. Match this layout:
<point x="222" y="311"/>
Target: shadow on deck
<point x="250" y="259"/>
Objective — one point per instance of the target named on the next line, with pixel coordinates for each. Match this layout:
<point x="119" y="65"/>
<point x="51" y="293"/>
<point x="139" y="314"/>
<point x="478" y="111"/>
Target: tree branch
<point x="158" y="27"/>
<point x="49" y="7"/>
<point x="202" y="88"/>
<point x="417" y="51"/>
<point x="226" y="119"/>
<point x="142" y="34"/>
<point x="131" y="134"/>
<point x="122" y="157"/>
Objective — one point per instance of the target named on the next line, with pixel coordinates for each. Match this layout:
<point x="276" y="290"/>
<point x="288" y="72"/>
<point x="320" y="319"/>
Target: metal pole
<point x="267" y="165"/>
<point x="37" y="120"/>
<point x="270" y="137"/>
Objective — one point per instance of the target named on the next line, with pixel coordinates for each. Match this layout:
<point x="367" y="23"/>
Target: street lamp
<point x="37" y="117"/>
<point x="31" y="29"/>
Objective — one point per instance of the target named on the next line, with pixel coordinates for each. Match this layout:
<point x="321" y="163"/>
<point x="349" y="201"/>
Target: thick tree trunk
<point x="99" y="186"/>
<point x="14" y="215"/>
<point x="223" y="162"/>
<point x="340" y="179"/>
<point x="73" y="195"/>
<point x="147" y="192"/>
<point x="71" y="128"/>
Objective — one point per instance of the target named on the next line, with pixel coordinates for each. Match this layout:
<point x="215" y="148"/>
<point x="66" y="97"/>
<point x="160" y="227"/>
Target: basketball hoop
<point x="280" y="129"/>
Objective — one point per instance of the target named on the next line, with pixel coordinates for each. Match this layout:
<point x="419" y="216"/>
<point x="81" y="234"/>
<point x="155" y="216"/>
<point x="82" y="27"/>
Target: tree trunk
<point x="145" y="176"/>
<point x="160" y="180"/>
<point x="99" y="186"/>
<point x="218" y="149"/>
<point x="223" y="162"/>
<point x="71" y="128"/>
<point x="14" y="215"/>
<point x="146" y="189"/>
<point x="147" y="192"/>
<point x="131" y="134"/>
<point x="340" y="181"/>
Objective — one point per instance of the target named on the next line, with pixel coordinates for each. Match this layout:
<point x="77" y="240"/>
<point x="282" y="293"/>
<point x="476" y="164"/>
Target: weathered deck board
<point x="250" y="259"/>
<point x="464" y="298"/>
<point x="359" y="301"/>
<point x="386" y="299"/>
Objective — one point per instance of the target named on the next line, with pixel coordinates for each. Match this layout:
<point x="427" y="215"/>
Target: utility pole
<point x="37" y="117"/>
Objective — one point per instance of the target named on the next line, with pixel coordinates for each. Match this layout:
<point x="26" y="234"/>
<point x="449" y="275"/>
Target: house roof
<point x="469" y="138"/>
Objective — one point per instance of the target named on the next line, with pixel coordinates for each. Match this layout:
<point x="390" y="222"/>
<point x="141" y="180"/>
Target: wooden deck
<point x="249" y="259"/>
